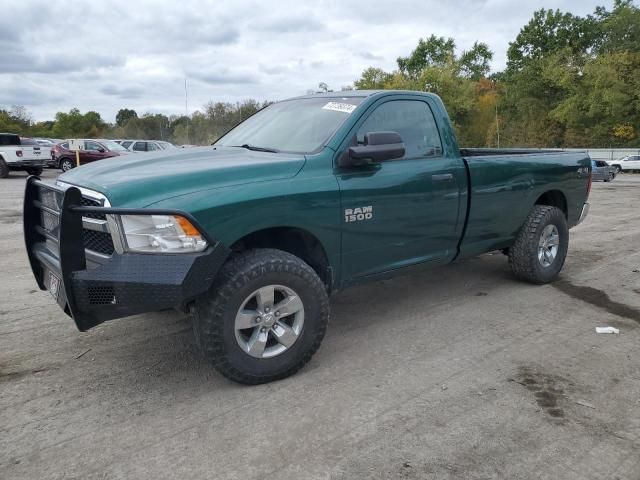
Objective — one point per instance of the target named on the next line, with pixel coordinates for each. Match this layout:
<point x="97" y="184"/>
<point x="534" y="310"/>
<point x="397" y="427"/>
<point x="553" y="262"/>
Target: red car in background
<point x="65" y="159"/>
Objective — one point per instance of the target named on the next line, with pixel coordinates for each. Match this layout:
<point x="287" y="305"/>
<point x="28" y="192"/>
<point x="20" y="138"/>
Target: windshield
<point x="297" y="126"/>
<point x="113" y="146"/>
<point x="167" y="145"/>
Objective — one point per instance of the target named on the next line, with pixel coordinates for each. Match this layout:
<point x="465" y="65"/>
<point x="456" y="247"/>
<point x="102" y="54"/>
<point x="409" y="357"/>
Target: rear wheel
<point x="540" y="249"/>
<point x="66" y="164"/>
<point x="264" y="317"/>
<point x="4" y="168"/>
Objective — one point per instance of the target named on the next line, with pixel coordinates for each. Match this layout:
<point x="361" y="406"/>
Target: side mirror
<point x="101" y="150"/>
<point x="378" y="147"/>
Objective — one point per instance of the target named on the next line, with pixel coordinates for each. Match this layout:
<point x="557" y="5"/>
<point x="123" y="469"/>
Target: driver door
<point x="404" y="211"/>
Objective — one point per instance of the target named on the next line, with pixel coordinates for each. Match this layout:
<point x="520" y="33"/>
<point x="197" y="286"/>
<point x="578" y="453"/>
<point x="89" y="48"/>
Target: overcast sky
<point x="105" y="55"/>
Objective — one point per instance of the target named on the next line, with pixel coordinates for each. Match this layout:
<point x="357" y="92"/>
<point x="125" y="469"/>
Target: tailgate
<point x="33" y="153"/>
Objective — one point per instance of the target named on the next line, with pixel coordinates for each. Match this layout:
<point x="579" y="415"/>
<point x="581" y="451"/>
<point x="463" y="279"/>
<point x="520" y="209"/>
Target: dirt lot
<point x="456" y="373"/>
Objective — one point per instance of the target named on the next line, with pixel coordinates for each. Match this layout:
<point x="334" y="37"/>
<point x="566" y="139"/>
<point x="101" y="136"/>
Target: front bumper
<point x="33" y="163"/>
<point x="121" y="284"/>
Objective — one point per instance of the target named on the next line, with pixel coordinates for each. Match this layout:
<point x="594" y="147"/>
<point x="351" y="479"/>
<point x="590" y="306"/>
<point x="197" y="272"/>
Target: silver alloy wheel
<point x="548" y="245"/>
<point x="269" y="321"/>
<point x="66" y="165"/>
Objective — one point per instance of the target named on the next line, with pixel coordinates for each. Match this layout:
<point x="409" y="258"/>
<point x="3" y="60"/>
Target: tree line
<point x="569" y="81"/>
<point x="202" y="127"/>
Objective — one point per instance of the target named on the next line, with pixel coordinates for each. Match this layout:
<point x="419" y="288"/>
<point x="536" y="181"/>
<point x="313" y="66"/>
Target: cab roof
<point x="361" y="94"/>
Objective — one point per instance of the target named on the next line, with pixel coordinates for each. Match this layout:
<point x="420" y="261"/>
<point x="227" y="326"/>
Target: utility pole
<point x="497" y="124"/>
<point x="186" y="107"/>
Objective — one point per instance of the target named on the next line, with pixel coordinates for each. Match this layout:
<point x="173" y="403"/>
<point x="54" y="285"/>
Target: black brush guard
<point x="125" y="284"/>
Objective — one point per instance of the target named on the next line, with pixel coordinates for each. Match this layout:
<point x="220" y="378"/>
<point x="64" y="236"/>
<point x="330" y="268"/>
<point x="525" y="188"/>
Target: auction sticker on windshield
<point x="340" y="107"/>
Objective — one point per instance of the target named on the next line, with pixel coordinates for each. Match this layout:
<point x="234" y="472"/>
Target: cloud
<point x="370" y="56"/>
<point x="222" y="76"/>
<point x="290" y="24"/>
<point x="28" y="95"/>
<point x="59" y="54"/>
<point x="16" y="60"/>
<point x="122" y="92"/>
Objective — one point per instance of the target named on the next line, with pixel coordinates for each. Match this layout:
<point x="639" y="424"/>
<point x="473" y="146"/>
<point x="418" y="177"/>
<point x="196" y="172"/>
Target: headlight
<point x="160" y="234"/>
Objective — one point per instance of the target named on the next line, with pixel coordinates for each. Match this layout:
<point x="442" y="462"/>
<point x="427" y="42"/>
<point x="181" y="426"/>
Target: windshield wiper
<point x="256" y="149"/>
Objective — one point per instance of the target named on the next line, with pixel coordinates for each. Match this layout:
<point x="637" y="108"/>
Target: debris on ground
<point x="607" y="330"/>
<point x="83" y="353"/>
<point x="585" y="404"/>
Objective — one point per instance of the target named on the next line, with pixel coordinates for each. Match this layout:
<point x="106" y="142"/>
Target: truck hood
<point x="136" y="181"/>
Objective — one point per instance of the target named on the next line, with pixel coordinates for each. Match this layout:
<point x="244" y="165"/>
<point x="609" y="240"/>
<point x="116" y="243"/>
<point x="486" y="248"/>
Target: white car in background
<point x="18" y="153"/>
<point x="146" y="145"/>
<point x="626" y="164"/>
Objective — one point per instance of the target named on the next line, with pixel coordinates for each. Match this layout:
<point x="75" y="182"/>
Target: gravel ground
<point x="461" y="372"/>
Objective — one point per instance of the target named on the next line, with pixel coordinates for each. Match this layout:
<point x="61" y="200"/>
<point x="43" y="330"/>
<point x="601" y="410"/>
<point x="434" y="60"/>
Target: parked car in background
<point x="146" y="145"/>
<point x="94" y="150"/>
<point x="20" y="154"/>
<point x="626" y="164"/>
<point x="602" y="171"/>
<point x="44" y="149"/>
<point x="45" y="142"/>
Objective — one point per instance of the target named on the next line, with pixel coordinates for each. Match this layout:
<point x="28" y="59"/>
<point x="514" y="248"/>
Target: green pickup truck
<point x="310" y="195"/>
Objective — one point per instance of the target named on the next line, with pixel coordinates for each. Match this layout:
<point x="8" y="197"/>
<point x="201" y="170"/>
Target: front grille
<point x="100" y="242"/>
<point x="96" y="241"/>
<point x="49" y="221"/>
<point x="90" y="202"/>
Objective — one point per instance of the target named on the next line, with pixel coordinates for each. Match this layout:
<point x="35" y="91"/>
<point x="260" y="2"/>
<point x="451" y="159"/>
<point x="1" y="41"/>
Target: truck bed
<point x="504" y="184"/>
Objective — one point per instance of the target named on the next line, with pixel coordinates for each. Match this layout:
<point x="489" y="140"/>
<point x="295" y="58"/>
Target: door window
<point x="92" y="146"/>
<point x="413" y="120"/>
<point x="140" y="146"/>
<point x="151" y="147"/>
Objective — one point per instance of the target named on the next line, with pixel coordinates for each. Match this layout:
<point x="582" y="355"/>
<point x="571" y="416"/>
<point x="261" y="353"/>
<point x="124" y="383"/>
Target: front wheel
<point x="34" y="171"/>
<point x="540" y="249"/>
<point x="66" y="164"/>
<point x="264" y="317"/>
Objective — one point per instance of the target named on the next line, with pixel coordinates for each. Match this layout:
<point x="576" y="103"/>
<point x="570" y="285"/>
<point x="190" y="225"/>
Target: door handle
<point x="442" y="177"/>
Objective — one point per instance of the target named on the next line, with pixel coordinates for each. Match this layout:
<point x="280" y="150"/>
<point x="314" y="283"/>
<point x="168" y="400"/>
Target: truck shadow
<point x="154" y="351"/>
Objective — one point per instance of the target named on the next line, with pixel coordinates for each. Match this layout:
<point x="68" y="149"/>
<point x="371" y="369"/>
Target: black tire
<point x="66" y="164"/>
<point x="4" y="168"/>
<point x="214" y="315"/>
<point x="34" y="171"/>
<point x="523" y="254"/>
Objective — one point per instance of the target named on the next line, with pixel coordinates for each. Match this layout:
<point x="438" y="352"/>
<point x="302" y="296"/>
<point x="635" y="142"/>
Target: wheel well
<point x="295" y="241"/>
<point x="554" y="198"/>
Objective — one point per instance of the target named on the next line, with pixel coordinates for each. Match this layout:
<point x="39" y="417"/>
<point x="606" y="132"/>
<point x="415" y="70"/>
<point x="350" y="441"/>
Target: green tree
<point x="372" y="79"/>
<point x="434" y="51"/>
<point x="124" y="115"/>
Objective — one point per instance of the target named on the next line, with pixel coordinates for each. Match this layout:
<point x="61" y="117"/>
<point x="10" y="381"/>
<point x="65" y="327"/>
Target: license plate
<point x="54" y="285"/>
